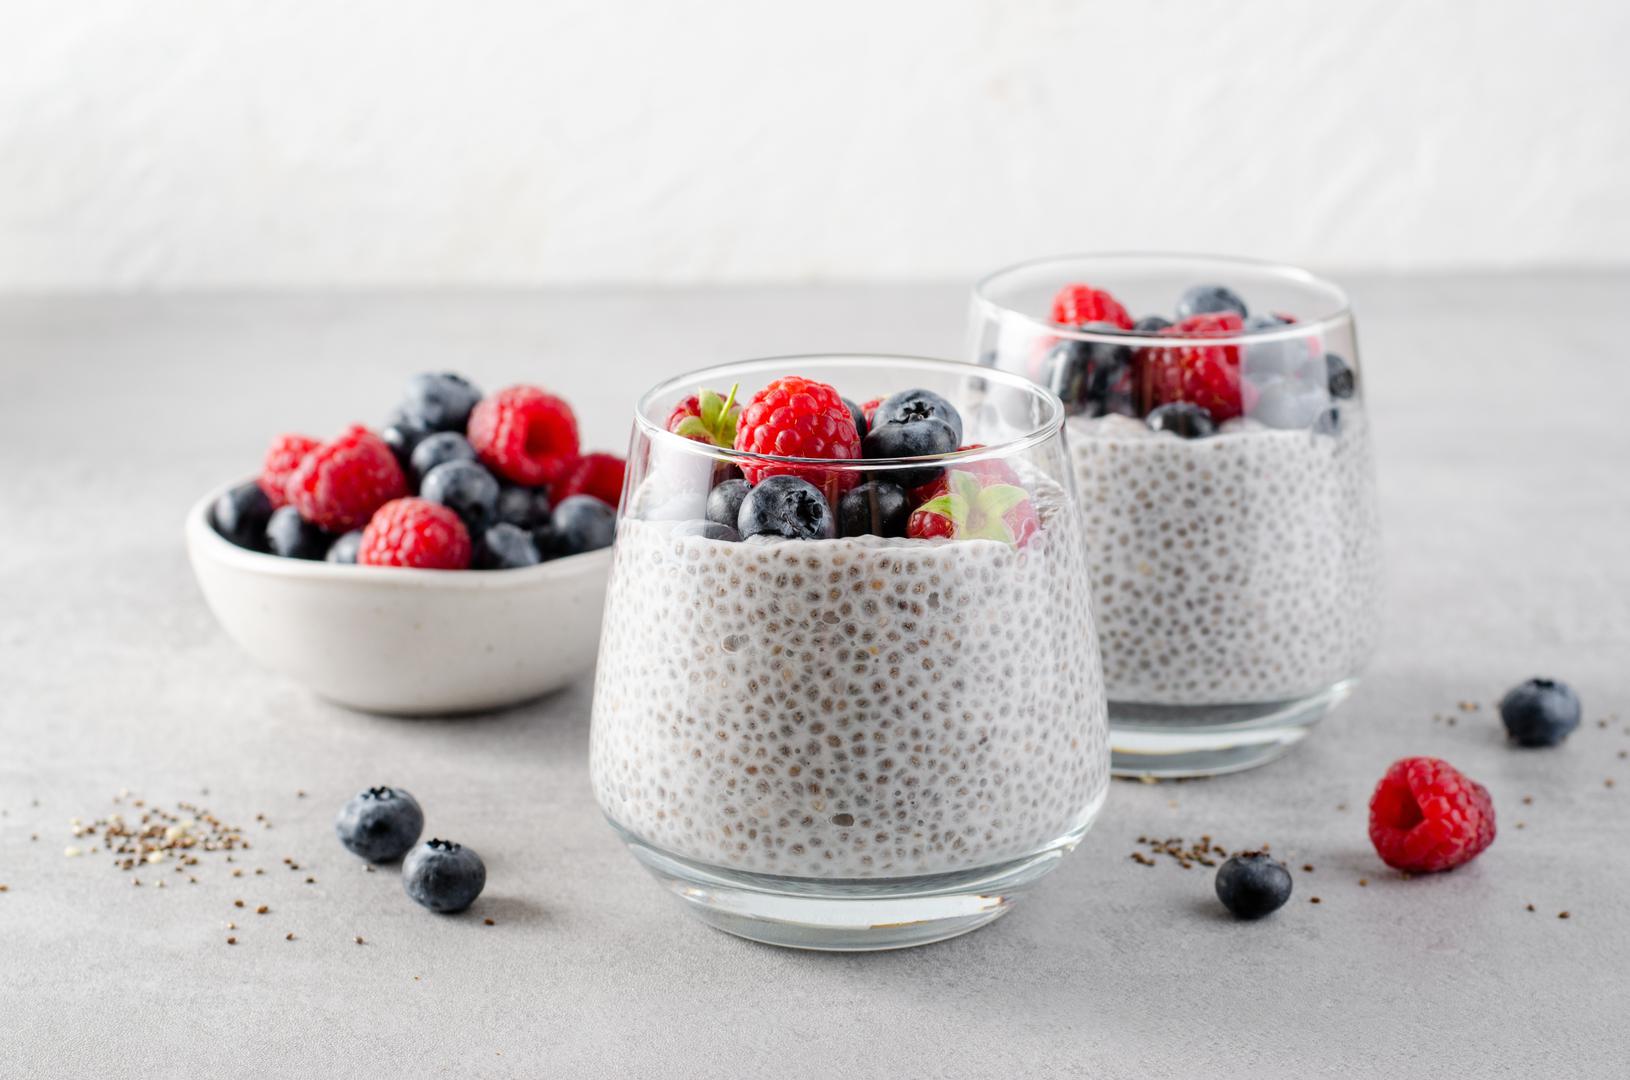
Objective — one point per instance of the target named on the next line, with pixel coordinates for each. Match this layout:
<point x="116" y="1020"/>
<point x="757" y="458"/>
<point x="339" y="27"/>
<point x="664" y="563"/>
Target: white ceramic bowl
<point x="407" y="642"/>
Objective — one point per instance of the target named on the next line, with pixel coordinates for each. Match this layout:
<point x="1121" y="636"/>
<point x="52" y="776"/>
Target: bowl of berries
<point x="453" y="561"/>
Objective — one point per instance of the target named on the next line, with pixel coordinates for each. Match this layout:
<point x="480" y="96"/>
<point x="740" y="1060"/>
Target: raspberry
<point x="525" y="435"/>
<point x="1074" y="305"/>
<point x="1426" y="815"/>
<point x="340" y="484"/>
<point x="600" y="475"/>
<point x="1201" y="374"/>
<point x="282" y="458"/>
<point x="868" y="409"/>
<point x="979" y="500"/>
<point x="797" y="417"/>
<point x="707" y="417"/>
<point x="415" y="532"/>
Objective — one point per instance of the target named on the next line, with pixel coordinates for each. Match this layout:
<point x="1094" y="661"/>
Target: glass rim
<point x="1051" y="426"/>
<point x="1341" y="316"/>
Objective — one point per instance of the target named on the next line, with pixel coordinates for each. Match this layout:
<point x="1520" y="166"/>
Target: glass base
<point x="851" y="915"/>
<point x="1172" y="741"/>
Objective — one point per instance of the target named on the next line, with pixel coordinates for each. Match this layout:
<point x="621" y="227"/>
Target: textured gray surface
<point x="1505" y="472"/>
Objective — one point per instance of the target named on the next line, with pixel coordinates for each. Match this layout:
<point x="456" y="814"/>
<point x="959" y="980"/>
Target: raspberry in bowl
<point x="1222" y="448"/>
<point x="849" y="696"/>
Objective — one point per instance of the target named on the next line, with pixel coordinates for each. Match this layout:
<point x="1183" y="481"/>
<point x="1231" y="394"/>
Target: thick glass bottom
<point x="1171" y="741"/>
<point x="852" y="915"/>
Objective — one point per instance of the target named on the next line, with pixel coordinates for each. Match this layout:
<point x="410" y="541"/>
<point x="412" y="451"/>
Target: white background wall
<point x="246" y="143"/>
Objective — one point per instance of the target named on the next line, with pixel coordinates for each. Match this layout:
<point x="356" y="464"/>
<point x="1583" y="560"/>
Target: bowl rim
<point x="206" y="542"/>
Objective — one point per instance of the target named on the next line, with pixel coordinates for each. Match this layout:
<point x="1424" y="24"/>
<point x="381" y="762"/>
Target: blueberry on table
<point x="875" y="508"/>
<point x="344" y="550"/>
<point x="1209" y="300"/>
<point x="1540" y="712"/>
<point x="1183" y="419"/>
<point x="505" y="547"/>
<point x="380" y="824"/>
<point x="1253" y="884"/>
<point x="582" y="523"/>
<point x="443" y="876"/>
<point x="922" y="437"/>
<point x="859" y="414"/>
<point x="527" y="507"/>
<point x="911" y="406"/>
<point x="724" y="501"/>
<point x="786" y="506"/>
<point x="293" y="537"/>
<point x="712" y="530"/>
<point x="439" y="449"/>
<point x="465" y="488"/>
<point x="1341" y="377"/>
<point x="402" y="435"/>
<point x="241" y="516"/>
<point x="439" y="401"/>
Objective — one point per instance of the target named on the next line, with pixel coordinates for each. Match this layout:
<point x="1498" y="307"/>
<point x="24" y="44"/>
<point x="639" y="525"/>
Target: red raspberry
<point x="1204" y="375"/>
<point x="282" y="458"/>
<point x="340" y="484"/>
<point x="707" y="417"/>
<point x="978" y="500"/>
<point x="1075" y="305"/>
<point x="868" y="409"/>
<point x="1426" y="815"/>
<point x="798" y="417"/>
<point x="525" y="435"/>
<point x="415" y="532"/>
<point x="600" y="475"/>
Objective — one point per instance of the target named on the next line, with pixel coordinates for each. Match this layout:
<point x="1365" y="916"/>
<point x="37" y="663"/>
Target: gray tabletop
<point x="1504" y="440"/>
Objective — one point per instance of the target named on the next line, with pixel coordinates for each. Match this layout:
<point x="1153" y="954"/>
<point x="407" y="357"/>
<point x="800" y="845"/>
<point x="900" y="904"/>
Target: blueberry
<point x="439" y="401"/>
<point x="1183" y="419"/>
<point x="465" y="488"/>
<point x="523" y="506"/>
<point x="1209" y="299"/>
<point x="581" y="523"/>
<point x="1342" y="379"/>
<point x="443" y="876"/>
<point x="724" y="501"/>
<point x="859" y="415"/>
<point x="439" y="449"/>
<point x="917" y="438"/>
<point x="402" y="435"/>
<point x="505" y="547"/>
<point x="786" y="506"/>
<point x="293" y="537"/>
<point x="241" y="515"/>
<point x="1540" y="712"/>
<point x="1253" y="884"/>
<point x="875" y="508"/>
<point x="1271" y="359"/>
<point x="1092" y="379"/>
<point x="1289" y="403"/>
<point x="910" y="406"/>
<point x="344" y="550"/>
<point x="1328" y="422"/>
<point x="380" y="824"/>
<point x="1150" y="324"/>
<point x="710" y="529"/>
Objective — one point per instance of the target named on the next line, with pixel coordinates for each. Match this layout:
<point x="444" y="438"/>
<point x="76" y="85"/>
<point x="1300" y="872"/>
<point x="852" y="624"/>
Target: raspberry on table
<point x="340" y="484"/>
<point x="798" y="417"/>
<point x="1193" y="371"/>
<point x="1426" y="816"/>
<point x="600" y="475"/>
<point x="418" y="533"/>
<point x="1076" y="304"/>
<point x="282" y="458"/>
<point x="525" y="435"/>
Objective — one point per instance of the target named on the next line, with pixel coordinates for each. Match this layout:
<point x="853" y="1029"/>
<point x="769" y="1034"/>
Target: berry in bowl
<point x="848" y="694"/>
<point x="453" y="561"/>
<point x="1221" y="446"/>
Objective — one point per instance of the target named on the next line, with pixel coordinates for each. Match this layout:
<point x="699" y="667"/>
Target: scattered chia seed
<point x="231" y="941"/>
<point x="262" y="909"/>
<point x="489" y="922"/>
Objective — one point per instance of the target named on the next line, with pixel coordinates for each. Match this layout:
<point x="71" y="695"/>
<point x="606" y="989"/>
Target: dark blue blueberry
<point x="710" y="529"/>
<point x="523" y="506"/>
<point x="1091" y="378"/>
<point x="1208" y="300"/>
<point x="859" y="415"/>
<point x="1540" y="712"/>
<point x="1342" y="379"/>
<point x="582" y="523"/>
<point x="344" y="550"/>
<point x="910" y="406"/>
<point x="1289" y="403"/>
<point x="786" y="506"/>
<point x="1183" y="419"/>
<point x="380" y="824"/>
<point x="1253" y="884"/>
<point x="443" y="876"/>
<point x="293" y="537"/>
<point x="241" y="515"/>
<point x="724" y="501"/>
<point x="1328" y="422"/>
<point x="875" y="508"/>
<point x="505" y="547"/>
<point x="1150" y="324"/>
<point x="927" y="437"/>
<point x="439" y="401"/>
<point x="465" y="488"/>
<point x="439" y="449"/>
<point x="402" y="435"/>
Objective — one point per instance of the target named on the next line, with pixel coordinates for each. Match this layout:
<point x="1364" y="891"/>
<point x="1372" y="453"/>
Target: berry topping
<point x="976" y="507"/>
<point x="1253" y="884"/>
<point x="707" y="417"/>
<point x="524" y="435"/>
<point x="1210" y="300"/>
<point x="439" y="449"/>
<point x="344" y="550"/>
<point x="417" y="533"/>
<point x="868" y="409"/>
<point x="786" y="506"/>
<point x="1540" y="712"/>
<point x="340" y="484"/>
<point x="1196" y="372"/>
<point x="910" y="406"/>
<point x="241" y="515"/>
<point x="1182" y="419"/>
<point x="402" y="436"/>
<point x="1151" y="324"/>
<point x="443" y="876"/>
<point x="380" y="824"/>
<point x="505" y="547"/>
<point x="600" y="475"/>
<point x="797" y="417"/>
<point x="581" y="523"/>
<point x="523" y="506"/>
<point x="1075" y="305"/>
<point x="465" y="488"/>
<point x="724" y="501"/>
<point x="282" y="458"/>
<point x="875" y="508"/>
<point x="293" y="537"/>
<point x="1289" y="403"/>
<point x="1426" y="816"/>
<point x="439" y="401"/>
<point x="862" y="420"/>
<point x="925" y="437"/>
<point x="1342" y="380"/>
<point x="1092" y="378"/>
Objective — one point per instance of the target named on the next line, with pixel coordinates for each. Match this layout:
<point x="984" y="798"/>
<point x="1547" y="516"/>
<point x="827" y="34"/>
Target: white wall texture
<point x="355" y="143"/>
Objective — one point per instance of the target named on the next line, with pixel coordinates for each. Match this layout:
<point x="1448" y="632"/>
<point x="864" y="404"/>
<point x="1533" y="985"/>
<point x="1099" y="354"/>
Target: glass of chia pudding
<point x="849" y="693"/>
<point x="1221" y="447"/>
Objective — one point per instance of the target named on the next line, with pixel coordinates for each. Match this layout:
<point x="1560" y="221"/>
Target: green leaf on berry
<point x="716" y="419"/>
<point x="977" y="513"/>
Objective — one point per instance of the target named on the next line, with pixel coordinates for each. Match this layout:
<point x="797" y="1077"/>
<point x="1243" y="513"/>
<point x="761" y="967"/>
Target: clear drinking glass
<point x="1235" y="554"/>
<point x="852" y="741"/>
